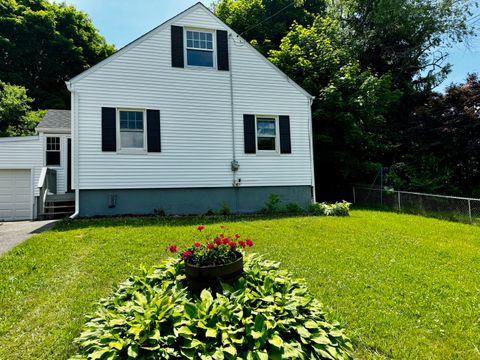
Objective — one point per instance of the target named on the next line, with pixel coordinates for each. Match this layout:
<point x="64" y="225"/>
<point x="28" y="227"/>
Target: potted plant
<point x="217" y="257"/>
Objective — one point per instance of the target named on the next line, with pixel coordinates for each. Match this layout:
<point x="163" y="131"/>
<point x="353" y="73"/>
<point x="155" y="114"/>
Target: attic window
<point x="199" y="48"/>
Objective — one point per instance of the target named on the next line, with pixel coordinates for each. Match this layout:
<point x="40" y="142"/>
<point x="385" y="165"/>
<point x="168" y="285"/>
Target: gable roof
<point x="161" y="27"/>
<point x="55" y="119"/>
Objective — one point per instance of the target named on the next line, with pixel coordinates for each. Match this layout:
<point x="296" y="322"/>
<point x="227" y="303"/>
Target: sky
<point x="121" y="21"/>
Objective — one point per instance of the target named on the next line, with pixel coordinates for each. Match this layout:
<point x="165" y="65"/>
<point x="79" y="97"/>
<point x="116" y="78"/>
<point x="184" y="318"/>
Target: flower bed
<point x="264" y="314"/>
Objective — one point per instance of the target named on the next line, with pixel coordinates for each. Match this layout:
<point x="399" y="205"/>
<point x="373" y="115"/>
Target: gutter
<point x="73" y="114"/>
<point x="310" y="130"/>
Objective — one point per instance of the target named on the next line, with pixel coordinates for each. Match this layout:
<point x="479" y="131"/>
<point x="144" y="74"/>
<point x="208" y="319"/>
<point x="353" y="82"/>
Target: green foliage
<point x="378" y="272"/>
<point x="293" y="208"/>
<point x="265" y="314"/>
<point x="44" y="43"/>
<point x="16" y="117"/>
<point x="337" y="209"/>
<point x="351" y="104"/>
<point x="242" y="15"/>
<point x="272" y="205"/>
<point x="159" y="212"/>
<point x="225" y="210"/>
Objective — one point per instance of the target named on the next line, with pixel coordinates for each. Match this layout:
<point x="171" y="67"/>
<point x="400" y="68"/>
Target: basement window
<point x="199" y="48"/>
<point x="52" y="154"/>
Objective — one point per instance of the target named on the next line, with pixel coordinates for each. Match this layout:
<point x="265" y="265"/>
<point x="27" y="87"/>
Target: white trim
<point x="133" y="151"/>
<point x="53" y="130"/>
<point x="165" y="24"/>
<point x="277" y="135"/>
<point x="213" y="50"/>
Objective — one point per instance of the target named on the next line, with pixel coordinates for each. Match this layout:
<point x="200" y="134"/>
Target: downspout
<point x="74" y="130"/>
<point x="310" y="102"/>
<point x="234" y="163"/>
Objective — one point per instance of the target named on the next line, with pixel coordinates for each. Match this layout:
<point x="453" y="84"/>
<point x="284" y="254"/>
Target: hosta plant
<point x="265" y="314"/>
<point x="337" y="209"/>
<point x="213" y="248"/>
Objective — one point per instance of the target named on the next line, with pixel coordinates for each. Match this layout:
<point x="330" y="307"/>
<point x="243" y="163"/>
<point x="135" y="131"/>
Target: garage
<point x="15" y="194"/>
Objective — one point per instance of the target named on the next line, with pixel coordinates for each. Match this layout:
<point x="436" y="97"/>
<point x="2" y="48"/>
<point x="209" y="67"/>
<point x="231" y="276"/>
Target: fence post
<point x="354" y="195"/>
<point x="469" y="210"/>
<point x="399" y="203"/>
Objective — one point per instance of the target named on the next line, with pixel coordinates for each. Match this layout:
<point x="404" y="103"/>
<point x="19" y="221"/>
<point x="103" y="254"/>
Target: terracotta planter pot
<point x="202" y="277"/>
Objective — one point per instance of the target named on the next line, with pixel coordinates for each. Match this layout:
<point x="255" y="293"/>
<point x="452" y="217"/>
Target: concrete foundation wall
<point x="187" y="201"/>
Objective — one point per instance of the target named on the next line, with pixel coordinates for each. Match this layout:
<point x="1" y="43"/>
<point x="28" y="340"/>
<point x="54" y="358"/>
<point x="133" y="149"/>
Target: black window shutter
<point x="222" y="50"/>
<point x="285" y="142"/>
<point x="249" y="133"/>
<point x="109" y="129"/>
<point x="153" y="131"/>
<point x="177" y="46"/>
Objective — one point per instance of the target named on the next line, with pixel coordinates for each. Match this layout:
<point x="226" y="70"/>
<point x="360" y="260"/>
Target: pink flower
<point x="237" y="236"/>
<point x="172" y="248"/>
<point x="186" y="254"/>
<point x="249" y="243"/>
<point x="200" y="228"/>
<point x="197" y="245"/>
<point x="210" y="246"/>
<point x="242" y="243"/>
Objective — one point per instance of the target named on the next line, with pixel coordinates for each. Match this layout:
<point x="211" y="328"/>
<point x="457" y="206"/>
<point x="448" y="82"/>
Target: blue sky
<point x="121" y="21"/>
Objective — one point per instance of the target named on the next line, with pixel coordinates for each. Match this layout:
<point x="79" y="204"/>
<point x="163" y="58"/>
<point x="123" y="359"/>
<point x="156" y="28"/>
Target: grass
<point x="406" y="287"/>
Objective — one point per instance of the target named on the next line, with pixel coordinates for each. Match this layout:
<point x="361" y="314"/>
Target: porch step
<point x="59" y="206"/>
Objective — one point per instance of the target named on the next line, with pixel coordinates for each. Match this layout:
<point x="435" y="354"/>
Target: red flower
<point x="218" y="241"/>
<point x="249" y="242"/>
<point x="200" y="228"/>
<point x="242" y="243"/>
<point x="222" y="227"/>
<point x="226" y="241"/>
<point x="210" y="246"/>
<point x="197" y="245"/>
<point x="237" y="236"/>
<point x="232" y="244"/>
<point x="187" y="254"/>
<point x="172" y="248"/>
<point x="221" y="235"/>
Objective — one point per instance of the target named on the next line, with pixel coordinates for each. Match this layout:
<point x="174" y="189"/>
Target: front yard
<point x="404" y="286"/>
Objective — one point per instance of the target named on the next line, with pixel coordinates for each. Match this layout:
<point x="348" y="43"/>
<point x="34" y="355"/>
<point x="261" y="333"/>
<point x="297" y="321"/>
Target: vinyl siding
<point x="195" y="118"/>
<point x="23" y="153"/>
<point x="62" y="169"/>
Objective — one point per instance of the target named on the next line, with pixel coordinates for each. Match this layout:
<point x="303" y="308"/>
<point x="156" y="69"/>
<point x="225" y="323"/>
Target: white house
<point x="187" y="118"/>
<point x="31" y="165"/>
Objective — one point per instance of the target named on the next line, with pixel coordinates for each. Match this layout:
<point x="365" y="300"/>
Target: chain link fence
<point x="448" y="207"/>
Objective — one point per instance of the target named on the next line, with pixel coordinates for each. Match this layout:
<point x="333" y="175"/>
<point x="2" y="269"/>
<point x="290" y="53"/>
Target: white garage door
<point x="15" y="195"/>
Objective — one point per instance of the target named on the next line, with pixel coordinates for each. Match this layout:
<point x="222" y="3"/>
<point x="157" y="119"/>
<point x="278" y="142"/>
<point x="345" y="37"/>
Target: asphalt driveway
<point x="13" y="233"/>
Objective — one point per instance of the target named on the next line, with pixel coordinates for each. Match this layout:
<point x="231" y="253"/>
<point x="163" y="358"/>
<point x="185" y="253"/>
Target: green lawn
<point x="404" y="286"/>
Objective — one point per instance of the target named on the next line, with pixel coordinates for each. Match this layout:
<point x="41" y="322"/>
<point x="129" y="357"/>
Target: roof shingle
<point x="55" y="119"/>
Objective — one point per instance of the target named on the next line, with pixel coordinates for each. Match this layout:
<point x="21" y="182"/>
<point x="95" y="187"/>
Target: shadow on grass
<point x="167" y="221"/>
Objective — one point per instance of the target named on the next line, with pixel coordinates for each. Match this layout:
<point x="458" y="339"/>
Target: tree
<point x="252" y="18"/>
<point x="43" y="44"/>
<point x="406" y="38"/>
<point x="16" y="117"/>
<point x="350" y="106"/>
<point x="440" y="149"/>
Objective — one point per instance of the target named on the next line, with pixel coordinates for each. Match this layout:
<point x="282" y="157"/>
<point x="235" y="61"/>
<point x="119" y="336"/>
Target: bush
<point x="293" y="208"/>
<point x="272" y="205"/>
<point x="266" y="313"/>
<point x="337" y="209"/>
<point x="225" y="210"/>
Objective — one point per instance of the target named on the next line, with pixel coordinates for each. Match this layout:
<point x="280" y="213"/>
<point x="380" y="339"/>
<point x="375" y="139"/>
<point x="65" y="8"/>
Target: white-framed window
<point x="267" y="133"/>
<point x="131" y="135"/>
<point x="52" y="151"/>
<point x="199" y="48"/>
